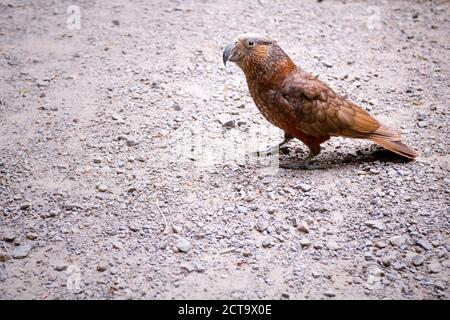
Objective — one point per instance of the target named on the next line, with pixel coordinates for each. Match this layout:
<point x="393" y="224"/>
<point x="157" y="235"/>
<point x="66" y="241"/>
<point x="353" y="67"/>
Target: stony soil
<point x="110" y="130"/>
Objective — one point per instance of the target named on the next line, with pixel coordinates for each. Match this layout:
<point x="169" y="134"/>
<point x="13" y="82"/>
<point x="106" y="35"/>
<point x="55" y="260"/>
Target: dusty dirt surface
<point x="110" y="129"/>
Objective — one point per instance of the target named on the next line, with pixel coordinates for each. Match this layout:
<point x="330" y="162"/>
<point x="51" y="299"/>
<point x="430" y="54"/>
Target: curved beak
<point x="229" y="54"/>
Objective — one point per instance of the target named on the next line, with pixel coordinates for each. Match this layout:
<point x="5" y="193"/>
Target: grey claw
<point x="264" y="153"/>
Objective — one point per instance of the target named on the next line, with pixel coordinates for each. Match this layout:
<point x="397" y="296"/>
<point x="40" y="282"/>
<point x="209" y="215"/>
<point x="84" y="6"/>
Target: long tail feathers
<point x="397" y="147"/>
<point x="390" y="139"/>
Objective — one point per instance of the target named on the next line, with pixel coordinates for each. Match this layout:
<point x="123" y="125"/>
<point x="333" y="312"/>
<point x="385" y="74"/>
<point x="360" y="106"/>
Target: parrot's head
<point x="256" y="55"/>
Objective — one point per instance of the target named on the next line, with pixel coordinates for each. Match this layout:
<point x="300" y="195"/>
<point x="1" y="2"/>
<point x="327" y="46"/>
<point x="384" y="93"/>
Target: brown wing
<point x="320" y="111"/>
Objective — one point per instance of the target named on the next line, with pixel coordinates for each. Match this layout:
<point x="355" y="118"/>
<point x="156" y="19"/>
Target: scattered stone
<point x="357" y="83"/>
<point x="189" y="267"/>
<point x="398" y="266"/>
<point x="440" y="285"/>
<point x="261" y="225"/>
<point x="43" y="83"/>
<point x="368" y="256"/>
<point x="21" y="251"/>
<point x="271" y="210"/>
<point x="374" y="274"/>
<point x="183" y="244"/>
<point x="424" y="243"/>
<point x="176" y="106"/>
<point x="380" y="244"/>
<point x="9" y="236"/>
<point x="406" y="290"/>
<point x="60" y="265"/>
<point x="247" y="253"/>
<point x="304" y="187"/>
<point x="303" y="227"/>
<point x="397" y="241"/>
<point x="434" y="267"/>
<point x="115" y="22"/>
<point x="133" y="226"/>
<point x="24" y="206"/>
<point x="229" y="124"/>
<point x="116" y="117"/>
<point x="386" y="260"/>
<point x="422" y="124"/>
<point x="4" y="257"/>
<point x="162" y="245"/>
<point x="243" y="210"/>
<point x="131" y="142"/>
<point x="31" y="236"/>
<point x="249" y="198"/>
<point x="102" y="188"/>
<point x="421" y="116"/>
<point x="117" y="245"/>
<point x="357" y="280"/>
<point x="199" y="266"/>
<point x="294" y="222"/>
<point x="177" y="229"/>
<point x="156" y="84"/>
<point x="102" y="266"/>
<point x="71" y="206"/>
<point x="375" y="271"/>
<point x="417" y="260"/>
<point x="48" y="214"/>
<point x="327" y="64"/>
<point x="330" y="293"/>
<point x="229" y="209"/>
<point x="376" y="224"/>
<point x="304" y="242"/>
<point x="267" y="242"/>
<point x="225" y="121"/>
<point x="332" y="245"/>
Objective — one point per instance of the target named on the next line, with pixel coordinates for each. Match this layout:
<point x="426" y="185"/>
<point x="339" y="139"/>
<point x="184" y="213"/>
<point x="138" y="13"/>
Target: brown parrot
<point x="300" y="104"/>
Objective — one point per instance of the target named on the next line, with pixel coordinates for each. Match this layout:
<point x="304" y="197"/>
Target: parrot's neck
<point x="270" y="73"/>
<point x="268" y="66"/>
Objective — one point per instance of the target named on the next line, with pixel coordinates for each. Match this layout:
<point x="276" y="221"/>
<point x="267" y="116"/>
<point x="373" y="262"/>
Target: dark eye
<point x="250" y="43"/>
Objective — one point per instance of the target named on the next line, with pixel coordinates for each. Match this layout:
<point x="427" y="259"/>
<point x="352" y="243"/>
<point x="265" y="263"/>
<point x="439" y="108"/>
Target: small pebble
<point x="183" y="245"/>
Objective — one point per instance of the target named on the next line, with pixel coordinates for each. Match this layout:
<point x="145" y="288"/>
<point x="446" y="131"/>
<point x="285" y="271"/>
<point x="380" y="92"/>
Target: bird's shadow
<point x="337" y="159"/>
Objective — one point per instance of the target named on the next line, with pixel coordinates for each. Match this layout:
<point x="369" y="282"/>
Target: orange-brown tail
<point x="390" y="140"/>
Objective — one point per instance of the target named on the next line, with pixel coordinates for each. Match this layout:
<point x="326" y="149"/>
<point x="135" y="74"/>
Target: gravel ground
<point x="110" y="131"/>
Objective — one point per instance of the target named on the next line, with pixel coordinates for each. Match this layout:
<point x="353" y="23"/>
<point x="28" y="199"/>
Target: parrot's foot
<point x="272" y="150"/>
<point x="303" y="165"/>
<point x="267" y="152"/>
